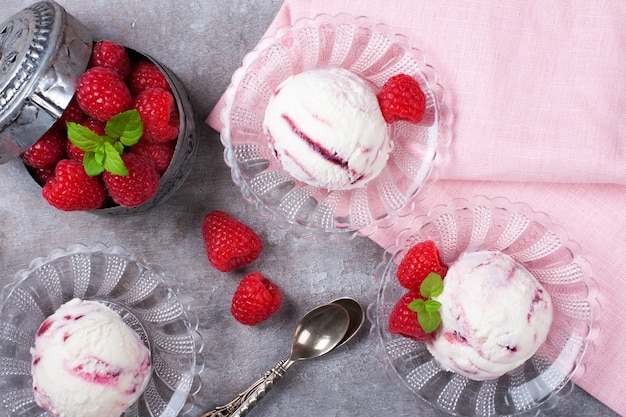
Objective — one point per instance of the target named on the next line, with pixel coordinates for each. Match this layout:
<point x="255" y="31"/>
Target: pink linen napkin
<point x="537" y="92"/>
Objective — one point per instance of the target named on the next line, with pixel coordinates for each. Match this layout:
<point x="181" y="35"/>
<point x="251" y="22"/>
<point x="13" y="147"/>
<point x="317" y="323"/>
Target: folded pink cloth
<point x="537" y="94"/>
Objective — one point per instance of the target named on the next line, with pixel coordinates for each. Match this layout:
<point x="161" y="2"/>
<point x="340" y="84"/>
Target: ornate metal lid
<point x="43" y="52"/>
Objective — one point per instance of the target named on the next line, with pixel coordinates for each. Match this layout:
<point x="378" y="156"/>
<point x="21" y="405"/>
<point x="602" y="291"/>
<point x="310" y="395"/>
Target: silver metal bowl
<point x="43" y="53"/>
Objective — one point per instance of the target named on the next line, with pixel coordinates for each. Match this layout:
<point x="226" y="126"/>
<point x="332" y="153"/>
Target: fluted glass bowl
<point x="138" y="291"/>
<point x="540" y="246"/>
<point x="373" y="52"/>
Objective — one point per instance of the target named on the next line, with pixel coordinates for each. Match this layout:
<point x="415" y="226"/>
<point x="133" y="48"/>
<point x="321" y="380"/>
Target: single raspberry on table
<point x="256" y="299"/>
<point x="402" y="98"/>
<point x="134" y="189"/>
<point x="48" y="150"/>
<point x="159" y="114"/>
<point x="145" y="75"/>
<point x="160" y="152"/>
<point x="419" y="261"/>
<point x="404" y="321"/>
<point x="102" y="94"/>
<point x="229" y="243"/>
<point x="108" y="54"/>
<point x="72" y="189"/>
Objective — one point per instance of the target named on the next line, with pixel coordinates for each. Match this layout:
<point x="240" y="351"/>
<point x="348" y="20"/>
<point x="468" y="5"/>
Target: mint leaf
<point x="119" y="148"/>
<point x="429" y="320"/>
<point x="417" y="305"/>
<point x="113" y="161"/>
<point x="432" y="286"/>
<point x="427" y="309"/>
<point x="92" y="168"/>
<point x="103" y="152"/>
<point x="83" y="137"/>
<point x="99" y="155"/>
<point x="126" y="126"/>
<point x="432" y="305"/>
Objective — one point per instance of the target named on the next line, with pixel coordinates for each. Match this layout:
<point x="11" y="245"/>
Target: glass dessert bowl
<point x="372" y="52"/>
<point x="544" y="250"/>
<point x="138" y="291"/>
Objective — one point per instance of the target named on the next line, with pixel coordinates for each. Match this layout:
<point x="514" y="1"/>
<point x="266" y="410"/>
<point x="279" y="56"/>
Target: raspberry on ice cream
<point x="326" y="128"/>
<point x="88" y="362"/>
<point x="494" y="316"/>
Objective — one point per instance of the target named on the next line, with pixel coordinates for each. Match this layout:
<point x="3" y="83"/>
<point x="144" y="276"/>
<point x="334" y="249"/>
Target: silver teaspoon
<point x="317" y="333"/>
<point x="357" y="318"/>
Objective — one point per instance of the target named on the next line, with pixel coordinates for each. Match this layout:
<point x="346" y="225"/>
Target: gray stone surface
<point x="204" y="42"/>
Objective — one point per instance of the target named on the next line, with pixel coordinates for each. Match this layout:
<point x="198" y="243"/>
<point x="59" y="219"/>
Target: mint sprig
<point x="428" y="310"/>
<point x="104" y="152"/>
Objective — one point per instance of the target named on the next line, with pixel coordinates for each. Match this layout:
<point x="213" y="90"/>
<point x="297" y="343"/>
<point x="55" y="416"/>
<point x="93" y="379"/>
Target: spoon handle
<point x="244" y="402"/>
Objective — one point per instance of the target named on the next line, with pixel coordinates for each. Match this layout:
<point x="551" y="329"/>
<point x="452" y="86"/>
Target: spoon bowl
<point x="357" y="318"/>
<point x="318" y="332"/>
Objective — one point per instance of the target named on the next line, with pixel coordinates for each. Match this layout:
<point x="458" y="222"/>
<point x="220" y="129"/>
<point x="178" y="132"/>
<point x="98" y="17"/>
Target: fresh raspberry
<point x="72" y="189"/>
<point x="145" y="75"/>
<point x="102" y="94"/>
<point x="110" y="55"/>
<point x="160" y="152"/>
<point x="42" y="175"/>
<point x="158" y="112"/>
<point x="256" y="299"/>
<point x="401" y="98"/>
<point x="419" y="261"/>
<point x="403" y="321"/>
<point x="74" y="152"/>
<point x="229" y="243"/>
<point x="134" y="189"/>
<point x="96" y="126"/>
<point x="48" y="150"/>
<point x="72" y="113"/>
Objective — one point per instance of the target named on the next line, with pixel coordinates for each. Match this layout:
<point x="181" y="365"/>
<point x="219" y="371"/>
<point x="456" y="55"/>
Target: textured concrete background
<point x="204" y="42"/>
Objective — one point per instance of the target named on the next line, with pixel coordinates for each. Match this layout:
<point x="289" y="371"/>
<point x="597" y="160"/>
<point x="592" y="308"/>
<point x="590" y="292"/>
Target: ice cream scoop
<point x="494" y="316"/>
<point x="326" y="128"/>
<point x="87" y="362"/>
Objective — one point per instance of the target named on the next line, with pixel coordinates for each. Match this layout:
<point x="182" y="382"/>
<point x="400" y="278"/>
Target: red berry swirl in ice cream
<point x="494" y="316"/>
<point x="88" y="362"/>
<point x="326" y="128"/>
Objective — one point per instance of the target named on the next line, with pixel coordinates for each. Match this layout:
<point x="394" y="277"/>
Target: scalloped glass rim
<point x="183" y="395"/>
<point x="569" y="363"/>
<point x="345" y="231"/>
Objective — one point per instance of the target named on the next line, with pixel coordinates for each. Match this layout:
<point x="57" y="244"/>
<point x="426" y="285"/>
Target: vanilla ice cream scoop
<point x="326" y="128"/>
<point x="88" y="362"/>
<point x="494" y="316"/>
